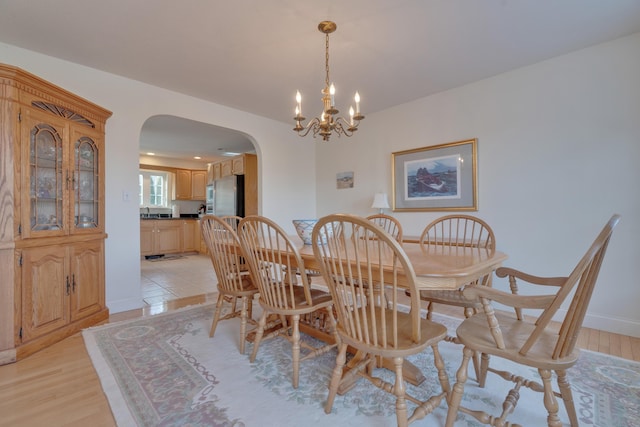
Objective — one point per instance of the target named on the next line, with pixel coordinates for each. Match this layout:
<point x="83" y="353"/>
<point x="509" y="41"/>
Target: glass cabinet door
<point x="46" y="178"/>
<point x="86" y="189"/>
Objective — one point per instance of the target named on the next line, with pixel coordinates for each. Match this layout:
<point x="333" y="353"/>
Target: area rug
<point x="164" y="370"/>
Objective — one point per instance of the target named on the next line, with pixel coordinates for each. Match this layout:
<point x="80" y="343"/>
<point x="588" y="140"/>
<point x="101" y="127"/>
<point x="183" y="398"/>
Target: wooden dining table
<point x="435" y="267"/>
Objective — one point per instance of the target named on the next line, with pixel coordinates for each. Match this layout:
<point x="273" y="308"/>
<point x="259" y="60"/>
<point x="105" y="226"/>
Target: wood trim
<point x="58" y="240"/>
<point x="45" y="341"/>
<point x="157" y="168"/>
<point x="33" y="87"/>
<point x="7" y="224"/>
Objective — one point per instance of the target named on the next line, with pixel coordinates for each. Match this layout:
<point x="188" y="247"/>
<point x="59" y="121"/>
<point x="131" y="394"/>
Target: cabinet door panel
<point x="198" y="185"/>
<point x="44" y="291"/>
<point x="45" y="178"/>
<point x="85" y="198"/>
<point x="183" y="184"/>
<point x="227" y="168"/>
<point x="87" y="279"/>
<point x="147" y="236"/>
<point x="168" y="237"/>
<point x="191" y="240"/>
<point x="238" y="165"/>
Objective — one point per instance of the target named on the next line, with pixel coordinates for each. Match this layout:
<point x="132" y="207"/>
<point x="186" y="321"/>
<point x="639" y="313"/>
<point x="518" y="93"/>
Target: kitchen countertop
<point x="168" y="216"/>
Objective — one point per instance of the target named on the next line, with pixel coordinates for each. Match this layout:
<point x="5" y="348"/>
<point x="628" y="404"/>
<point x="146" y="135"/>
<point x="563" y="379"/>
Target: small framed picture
<point x="344" y="180"/>
<point x="437" y="178"/>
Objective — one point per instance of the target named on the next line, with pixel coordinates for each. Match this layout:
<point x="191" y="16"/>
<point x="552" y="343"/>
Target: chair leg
<point x="333" y="326"/>
<point x="567" y="397"/>
<point x="476" y="364"/>
<point x="550" y="401"/>
<point x="243" y="323"/>
<point x="484" y="368"/>
<point x="341" y="359"/>
<point x="399" y="390"/>
<point x="295" y="347"/>
<point x="469" y="312"/>
<point x="442" y="372"/>
<point x="259" y="334"/>
<point x="216" y="315"/>
<point x="458" y="389"/>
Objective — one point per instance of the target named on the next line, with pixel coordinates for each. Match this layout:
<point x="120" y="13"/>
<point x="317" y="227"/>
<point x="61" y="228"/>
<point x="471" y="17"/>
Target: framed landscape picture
<point x="344" y="180"/>
<point x="437" y="178"/>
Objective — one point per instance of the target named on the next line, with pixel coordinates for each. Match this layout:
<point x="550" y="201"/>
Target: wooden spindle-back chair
<point x="359" y="251"/>
<point x="531" y="340"/>
<point x="233" y="281"/>
<point x="272" y="257"/>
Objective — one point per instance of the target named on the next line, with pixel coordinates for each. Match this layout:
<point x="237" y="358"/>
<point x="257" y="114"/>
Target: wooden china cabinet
<point x="51" y="214"/>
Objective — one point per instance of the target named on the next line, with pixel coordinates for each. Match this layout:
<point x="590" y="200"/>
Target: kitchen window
<point x="153" y="188"/>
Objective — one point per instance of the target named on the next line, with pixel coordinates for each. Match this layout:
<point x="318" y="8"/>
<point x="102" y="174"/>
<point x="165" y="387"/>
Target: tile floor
<point x="177" y="277"/>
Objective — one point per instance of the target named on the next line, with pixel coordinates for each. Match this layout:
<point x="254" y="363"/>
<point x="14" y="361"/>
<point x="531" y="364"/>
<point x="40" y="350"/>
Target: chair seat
<point x="430" y="333"/>
<point x="318" y="298"/>
<point x="475" y="333"/>
<point x="247" y="285"/>
<point x="449" y="297"/>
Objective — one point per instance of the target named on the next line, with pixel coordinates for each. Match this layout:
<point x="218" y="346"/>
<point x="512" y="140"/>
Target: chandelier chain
<point x="326" y="60"/>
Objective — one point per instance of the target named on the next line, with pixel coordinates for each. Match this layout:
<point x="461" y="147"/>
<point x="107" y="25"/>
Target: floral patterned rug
<point x="164" y="370"/>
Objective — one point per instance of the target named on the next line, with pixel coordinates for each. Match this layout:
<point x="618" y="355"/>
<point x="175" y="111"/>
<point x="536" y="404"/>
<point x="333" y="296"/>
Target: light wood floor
<point x="59" y="387"/>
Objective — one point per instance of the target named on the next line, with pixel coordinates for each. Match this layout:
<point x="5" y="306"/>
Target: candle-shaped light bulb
<point x="299" y="102"/>
<point x="332" y="92"/>
<point x="357" y="99"/>
<point x="351" y="115"/>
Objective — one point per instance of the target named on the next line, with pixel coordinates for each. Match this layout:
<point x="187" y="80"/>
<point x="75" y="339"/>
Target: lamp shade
<point x="380" y="201"/>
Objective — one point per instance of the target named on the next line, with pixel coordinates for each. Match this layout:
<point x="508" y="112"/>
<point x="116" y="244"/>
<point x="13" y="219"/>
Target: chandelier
<point x="328" y="122"/>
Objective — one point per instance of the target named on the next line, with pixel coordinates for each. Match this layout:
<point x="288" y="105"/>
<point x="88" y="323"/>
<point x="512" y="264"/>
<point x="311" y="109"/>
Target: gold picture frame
<point x="436" y="178"/>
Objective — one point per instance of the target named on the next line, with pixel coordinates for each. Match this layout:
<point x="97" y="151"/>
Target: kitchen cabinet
<point x="183" y="184"/>
<point x="198" y="185"/>
<point x="232" y="166"/>
<point x="237" y="165"/>
<point x="217" y="170"/>
<point x="203" y="244"/>
<point x="161" y="236"/>
<point x="147" y="236"/>
<point x="169" y="236"/>
<point x="243" y="164"/>
<point x="52" y="233"/>
<point x="191" y="236"/>
<point x="250" y="170"/>
<point x="210" y="178"/>
<point x="226" y="168"/>
<point x="191" y="184"/>
<point x="59" y="287"/>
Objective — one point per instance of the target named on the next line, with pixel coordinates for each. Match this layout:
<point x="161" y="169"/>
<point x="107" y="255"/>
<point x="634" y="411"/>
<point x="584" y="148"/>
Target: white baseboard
<point x="124" y="305"/>
<point x="614" y="325"/>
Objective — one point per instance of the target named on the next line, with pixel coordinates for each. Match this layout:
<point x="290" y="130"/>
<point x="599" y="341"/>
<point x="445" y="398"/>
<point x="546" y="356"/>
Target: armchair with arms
<point x="530" y="340"/>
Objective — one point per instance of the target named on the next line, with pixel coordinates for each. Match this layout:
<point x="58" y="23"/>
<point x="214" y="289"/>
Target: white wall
<point x="558" y="153"/>
<point x="558" y="143"/>
<point x="287" y="183"/>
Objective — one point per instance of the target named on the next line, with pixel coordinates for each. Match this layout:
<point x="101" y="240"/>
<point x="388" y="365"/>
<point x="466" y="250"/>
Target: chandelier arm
<point x="313" y="123"/>
<point x="342" y="122"/>
<point x="340" y="128"/>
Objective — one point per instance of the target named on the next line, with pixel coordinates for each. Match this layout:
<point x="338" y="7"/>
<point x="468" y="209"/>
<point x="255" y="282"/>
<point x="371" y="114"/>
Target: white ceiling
<point x="253" y="54"/>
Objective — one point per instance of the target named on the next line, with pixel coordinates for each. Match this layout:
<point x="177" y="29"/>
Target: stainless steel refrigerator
<point x="228" y="196"/>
